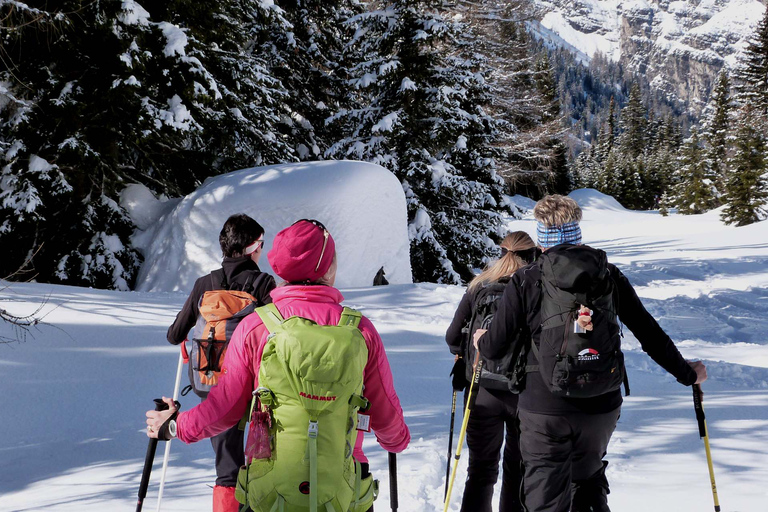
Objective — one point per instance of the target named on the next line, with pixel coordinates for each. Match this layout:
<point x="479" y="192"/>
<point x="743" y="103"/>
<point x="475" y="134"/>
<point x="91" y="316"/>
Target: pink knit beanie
<point x="302" y="252"/>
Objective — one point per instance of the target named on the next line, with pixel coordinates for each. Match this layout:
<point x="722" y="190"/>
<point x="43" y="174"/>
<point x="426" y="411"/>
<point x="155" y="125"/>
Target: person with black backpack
<point x="241" y="240"/>
<point x="566" y="308"/>
<point x="495" y="407"/>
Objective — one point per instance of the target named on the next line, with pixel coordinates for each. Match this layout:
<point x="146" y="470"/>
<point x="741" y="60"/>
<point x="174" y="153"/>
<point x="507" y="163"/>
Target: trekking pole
<point x="148" y="460"/>
<point x="450" y="444"/>
<point x="465" y="421"/>
<point x="167" y="454"/>
<point x="704" y="434"/>
<point x="393" y="481"/>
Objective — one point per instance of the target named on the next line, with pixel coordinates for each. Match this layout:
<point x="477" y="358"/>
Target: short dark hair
<point x="238" y="232"/>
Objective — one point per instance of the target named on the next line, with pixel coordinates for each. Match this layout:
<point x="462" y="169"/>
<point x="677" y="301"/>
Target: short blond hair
<point x="556" y="210"/>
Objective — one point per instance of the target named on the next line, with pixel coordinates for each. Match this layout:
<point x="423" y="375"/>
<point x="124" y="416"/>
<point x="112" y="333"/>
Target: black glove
<point x="459" y="375"/>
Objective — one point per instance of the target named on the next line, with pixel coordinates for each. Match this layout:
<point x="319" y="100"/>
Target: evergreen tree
<point x="746" y="190"/>
<point x="115" y="93"/>
<point x="752" y="74"/>
<point x="306" y="54"/>
<point x="421" y="115"/>
<point x="633" y="125"/>
<point x="696" y="192"/>
<point x="716" y="122"/>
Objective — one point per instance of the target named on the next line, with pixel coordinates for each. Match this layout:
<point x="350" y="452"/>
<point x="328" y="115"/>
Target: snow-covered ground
<point x="75" y="392"/>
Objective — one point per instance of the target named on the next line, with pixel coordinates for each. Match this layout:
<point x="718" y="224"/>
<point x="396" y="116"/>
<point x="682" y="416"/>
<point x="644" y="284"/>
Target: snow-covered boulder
<point x="589" y="198"/>
<point x="362" y="205"/>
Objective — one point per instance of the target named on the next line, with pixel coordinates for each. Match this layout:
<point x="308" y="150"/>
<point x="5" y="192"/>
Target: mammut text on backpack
<point x="573" y="362"/>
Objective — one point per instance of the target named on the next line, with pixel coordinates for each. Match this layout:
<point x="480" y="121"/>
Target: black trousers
<point x="230" y="456"/>
<point x="563" y="457"/>
<point x="492" y="423"/>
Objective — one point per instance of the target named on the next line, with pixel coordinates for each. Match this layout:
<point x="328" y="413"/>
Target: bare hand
<point x="700" y="369"/>
<point x="585" y="318"/>
<point x="155" y="419"/>
<point x="478" y="334"/>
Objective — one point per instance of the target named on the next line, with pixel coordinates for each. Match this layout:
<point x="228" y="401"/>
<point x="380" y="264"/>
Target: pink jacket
<point x="227" y="402"/>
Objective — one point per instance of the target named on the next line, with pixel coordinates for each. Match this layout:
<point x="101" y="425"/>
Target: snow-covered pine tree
<point x="420" y="114"/>
<point x="306" y="53"/>
<point x="631" y="146"/>
<point x="746" y="190"/>
<point x="696" y="193"/>
<point x="716" y="132"/>
<point x="751" y="82"/>
<point x="112" y="93"/>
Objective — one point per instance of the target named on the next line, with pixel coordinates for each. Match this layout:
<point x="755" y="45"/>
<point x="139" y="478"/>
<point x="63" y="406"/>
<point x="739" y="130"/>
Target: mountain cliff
<point x="678" y="46"/>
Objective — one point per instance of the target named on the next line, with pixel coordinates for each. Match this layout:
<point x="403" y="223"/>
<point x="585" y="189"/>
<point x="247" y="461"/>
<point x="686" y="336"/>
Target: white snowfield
<point x="361" y="204"/>
<point x="75" y="392"/>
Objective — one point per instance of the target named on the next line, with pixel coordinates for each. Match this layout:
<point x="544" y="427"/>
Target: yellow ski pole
<point x="465" y="421"/>
<point x="704" y="434"/>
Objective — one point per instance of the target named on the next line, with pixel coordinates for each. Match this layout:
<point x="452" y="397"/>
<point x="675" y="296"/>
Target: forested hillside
<point x="98" y="95"/>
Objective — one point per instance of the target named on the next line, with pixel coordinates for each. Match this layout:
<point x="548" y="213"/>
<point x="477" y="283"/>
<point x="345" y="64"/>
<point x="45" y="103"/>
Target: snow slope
<point x="75" y="393"/>
<point x="361" y="204"/>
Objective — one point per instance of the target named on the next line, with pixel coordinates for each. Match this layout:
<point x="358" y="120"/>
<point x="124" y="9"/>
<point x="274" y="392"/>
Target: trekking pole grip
<point x="699" y="408"/>
<point x="393" y="481"/>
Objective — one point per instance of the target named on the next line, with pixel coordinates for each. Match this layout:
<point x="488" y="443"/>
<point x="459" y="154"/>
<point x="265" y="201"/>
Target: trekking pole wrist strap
<point x="166" y="432"/>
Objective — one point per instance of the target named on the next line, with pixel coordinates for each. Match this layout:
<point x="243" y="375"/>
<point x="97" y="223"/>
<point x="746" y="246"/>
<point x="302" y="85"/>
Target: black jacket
<point x="454" y="335"/>
<point x="239" y="272"/>
<point x="519" y="313"/>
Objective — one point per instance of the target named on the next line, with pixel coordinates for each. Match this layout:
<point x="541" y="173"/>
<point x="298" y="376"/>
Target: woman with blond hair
<point x="495" y="408"/>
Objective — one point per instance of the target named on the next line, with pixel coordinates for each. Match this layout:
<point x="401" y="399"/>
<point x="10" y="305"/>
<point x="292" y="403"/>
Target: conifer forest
<point x="459" y="100"/>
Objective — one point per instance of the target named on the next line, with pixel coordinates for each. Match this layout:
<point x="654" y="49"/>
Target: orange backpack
<point x="220" y="313"/>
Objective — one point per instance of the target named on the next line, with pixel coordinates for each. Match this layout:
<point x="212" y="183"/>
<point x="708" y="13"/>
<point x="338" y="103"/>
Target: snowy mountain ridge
<point x="680" y="46"/>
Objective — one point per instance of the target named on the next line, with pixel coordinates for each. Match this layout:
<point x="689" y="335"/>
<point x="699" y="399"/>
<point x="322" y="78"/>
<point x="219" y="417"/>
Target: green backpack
<point x="310" y="382"/>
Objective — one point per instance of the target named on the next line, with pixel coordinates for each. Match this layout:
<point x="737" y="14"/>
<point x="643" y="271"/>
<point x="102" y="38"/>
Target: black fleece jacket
<point x="239" y="272"/>
<point x="520" y="311"/>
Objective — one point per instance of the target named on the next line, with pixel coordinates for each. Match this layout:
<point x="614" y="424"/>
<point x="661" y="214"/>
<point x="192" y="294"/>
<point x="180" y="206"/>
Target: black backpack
<point x="502" y="373"/>
<point x="572" y="364"/>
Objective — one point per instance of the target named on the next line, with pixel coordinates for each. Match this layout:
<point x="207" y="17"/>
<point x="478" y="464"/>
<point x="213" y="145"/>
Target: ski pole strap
<point x="699" y="408"/>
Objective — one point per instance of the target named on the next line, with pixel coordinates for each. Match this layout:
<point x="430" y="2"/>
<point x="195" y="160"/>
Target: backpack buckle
<point x="312" y="430"/>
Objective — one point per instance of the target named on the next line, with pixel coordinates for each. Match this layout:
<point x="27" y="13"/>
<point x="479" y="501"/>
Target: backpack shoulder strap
<point x="270" y="316"/>
<point x="350" y="317"/>
<point x="219" y="280"/>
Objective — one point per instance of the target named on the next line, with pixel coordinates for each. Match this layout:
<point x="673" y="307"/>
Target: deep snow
<point x="75" y="392"/>
<point x="361" y="204"/>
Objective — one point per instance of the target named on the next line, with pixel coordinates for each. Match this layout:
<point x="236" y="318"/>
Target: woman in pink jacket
<point x="304" y="255"/>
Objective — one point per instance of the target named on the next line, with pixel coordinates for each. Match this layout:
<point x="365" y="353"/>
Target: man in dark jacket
<point x="563" y="439"/>
<point x="241" y="240"/>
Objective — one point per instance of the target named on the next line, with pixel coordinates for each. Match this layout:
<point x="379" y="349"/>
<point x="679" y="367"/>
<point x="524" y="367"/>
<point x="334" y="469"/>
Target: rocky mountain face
<point x="678" y="46"/>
